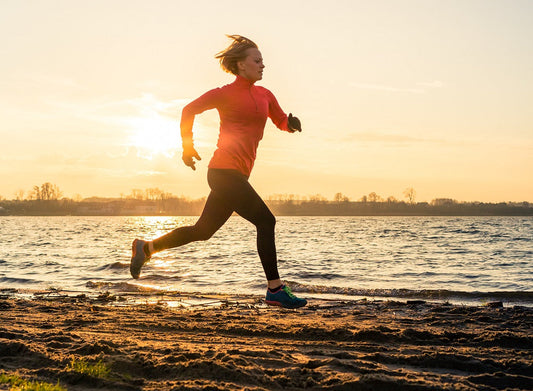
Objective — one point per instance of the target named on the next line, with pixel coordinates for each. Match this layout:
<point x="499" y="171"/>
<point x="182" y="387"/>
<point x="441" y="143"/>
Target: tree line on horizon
<point x="51" y="192"/>
<point x="48" y="199"/>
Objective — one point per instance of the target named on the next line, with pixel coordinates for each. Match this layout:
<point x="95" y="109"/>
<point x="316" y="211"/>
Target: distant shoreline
<point x="187" y="207"/>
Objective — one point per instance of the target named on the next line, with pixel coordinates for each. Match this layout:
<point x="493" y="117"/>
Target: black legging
<point x="230" y="192"/>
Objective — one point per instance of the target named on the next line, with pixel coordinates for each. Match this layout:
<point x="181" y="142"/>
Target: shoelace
<point x="289" y="292"/>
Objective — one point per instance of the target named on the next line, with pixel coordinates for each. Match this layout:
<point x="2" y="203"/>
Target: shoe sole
<point x="278" y="304"/>
<point x="274" y="303"/>
<point x="134" y="253"/>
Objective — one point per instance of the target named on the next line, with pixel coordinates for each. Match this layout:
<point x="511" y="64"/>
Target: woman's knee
<point x="267" y="221"/>
<point x="272" y="221"/>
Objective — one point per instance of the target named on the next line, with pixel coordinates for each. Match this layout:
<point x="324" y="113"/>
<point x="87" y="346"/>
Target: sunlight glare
<point x="154" y="135"/>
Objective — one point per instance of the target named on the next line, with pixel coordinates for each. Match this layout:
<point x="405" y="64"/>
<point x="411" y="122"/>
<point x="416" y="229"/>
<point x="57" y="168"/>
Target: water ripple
<point x="435" y="253"/>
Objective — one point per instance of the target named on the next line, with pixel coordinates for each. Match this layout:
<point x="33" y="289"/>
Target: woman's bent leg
<point x="216" y="212"/>
<point x="230" y="192"/>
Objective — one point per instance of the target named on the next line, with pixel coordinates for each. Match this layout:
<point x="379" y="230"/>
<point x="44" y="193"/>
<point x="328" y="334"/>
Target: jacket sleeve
<point x="207" y="101"/>
<point x="276" y="114"/>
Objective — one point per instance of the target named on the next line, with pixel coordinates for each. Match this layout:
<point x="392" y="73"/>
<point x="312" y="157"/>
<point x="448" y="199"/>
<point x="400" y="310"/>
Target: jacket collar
<point x="242" y="82"/>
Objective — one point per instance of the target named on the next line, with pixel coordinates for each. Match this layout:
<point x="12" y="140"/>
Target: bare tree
<point x="50" y="191"/>
<point x="19" y="195"/>
<point x="410" y="194"/>
<point x="35" y="193"/>
<point x="154" y="194"/>
<point x="166" y="196"/>
<point x="282" y="197"/>
<point x="339" y="197"/>
<point x="137" y="194"/>
<point x="373" y="197"/>
<point x="46" y="192"/>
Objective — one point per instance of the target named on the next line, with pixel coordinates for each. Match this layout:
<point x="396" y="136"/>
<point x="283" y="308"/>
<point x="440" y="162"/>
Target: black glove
<point x="294" y="124"/>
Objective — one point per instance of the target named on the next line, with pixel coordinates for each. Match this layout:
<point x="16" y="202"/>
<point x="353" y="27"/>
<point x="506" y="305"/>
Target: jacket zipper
<point x="252" y="95"/>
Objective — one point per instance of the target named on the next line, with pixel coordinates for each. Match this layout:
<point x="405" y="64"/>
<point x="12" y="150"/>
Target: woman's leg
<point x="243" y="199"/>
<point x="258" y="214"/>
<point x="230" y="191"/>
<point x="216" y="212"/>
<point x="248" y="204"/>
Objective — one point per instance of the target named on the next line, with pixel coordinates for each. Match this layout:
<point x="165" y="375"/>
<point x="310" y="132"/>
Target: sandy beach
<point x="238" y="343"/>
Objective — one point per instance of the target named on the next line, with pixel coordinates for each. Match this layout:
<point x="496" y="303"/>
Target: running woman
<point x="243" y="108"/>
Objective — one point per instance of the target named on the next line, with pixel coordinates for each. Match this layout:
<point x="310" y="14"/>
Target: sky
<point x="431" y="95"/>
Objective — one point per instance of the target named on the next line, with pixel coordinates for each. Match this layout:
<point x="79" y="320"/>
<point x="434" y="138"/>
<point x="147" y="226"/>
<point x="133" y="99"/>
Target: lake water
<point x="461" y="259"/>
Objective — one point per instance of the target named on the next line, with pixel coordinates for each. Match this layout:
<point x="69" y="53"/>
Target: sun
<point x="154" y="134"/>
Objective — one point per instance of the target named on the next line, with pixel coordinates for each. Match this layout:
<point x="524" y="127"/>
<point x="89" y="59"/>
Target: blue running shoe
<point x="138" y="258"/>
<point x="284" y="298"/>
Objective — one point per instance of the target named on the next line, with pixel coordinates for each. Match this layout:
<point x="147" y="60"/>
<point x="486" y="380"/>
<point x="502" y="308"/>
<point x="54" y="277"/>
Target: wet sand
<point x="232" y="343"/>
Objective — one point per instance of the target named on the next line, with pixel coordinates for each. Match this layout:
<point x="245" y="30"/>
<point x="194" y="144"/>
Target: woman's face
<point x="252" y="66"/>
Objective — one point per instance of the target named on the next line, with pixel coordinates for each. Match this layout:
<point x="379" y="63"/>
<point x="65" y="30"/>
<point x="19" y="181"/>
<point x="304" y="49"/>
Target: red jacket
<point x="243" y="109"/>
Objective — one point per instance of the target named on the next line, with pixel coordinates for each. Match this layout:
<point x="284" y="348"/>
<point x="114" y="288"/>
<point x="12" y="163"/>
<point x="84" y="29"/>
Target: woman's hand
<point x="294" y="124"/>
<point x="188" y="154"/>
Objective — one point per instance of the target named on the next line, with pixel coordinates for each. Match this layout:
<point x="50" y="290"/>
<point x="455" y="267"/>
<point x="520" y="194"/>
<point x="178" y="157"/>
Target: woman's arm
<point x="280" y="119"/>
<point x="205" y="102"/>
